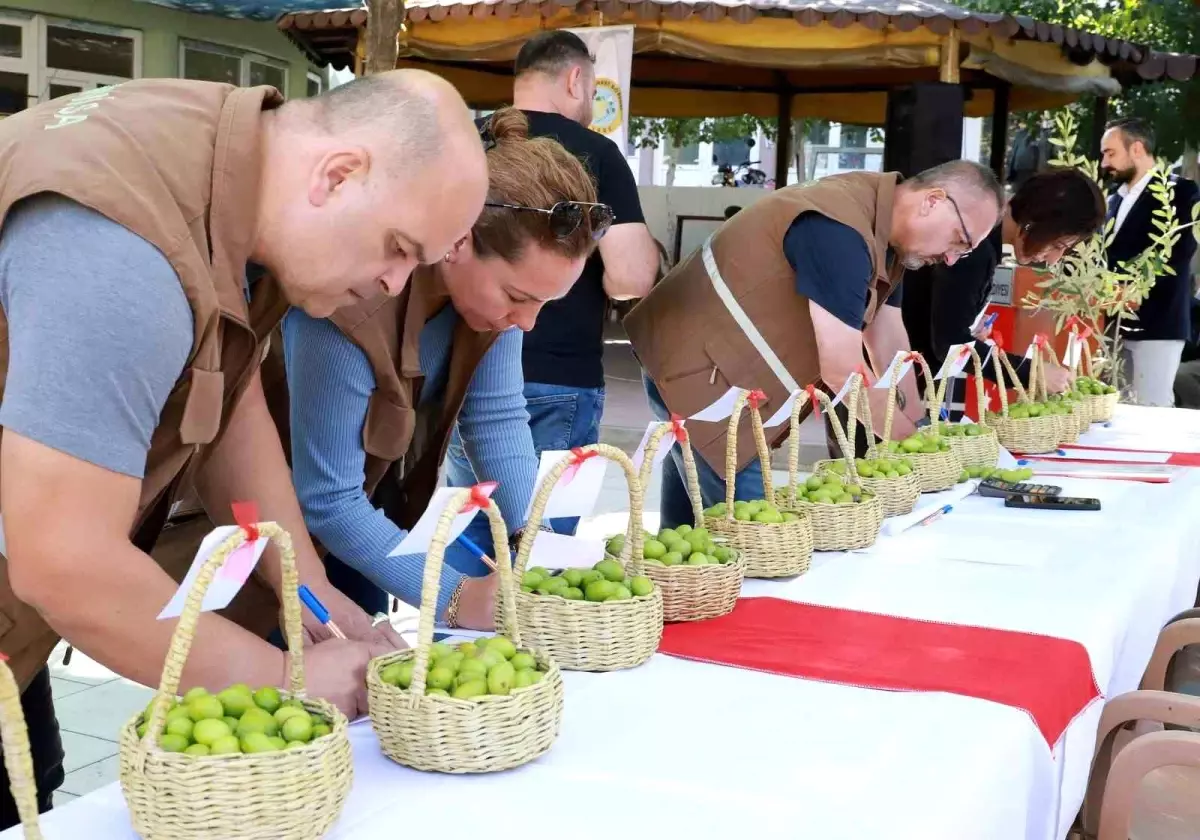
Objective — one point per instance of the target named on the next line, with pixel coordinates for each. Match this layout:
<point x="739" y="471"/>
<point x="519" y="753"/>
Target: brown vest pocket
<point x="202" y="412"/>
<point x="389" y="428"/>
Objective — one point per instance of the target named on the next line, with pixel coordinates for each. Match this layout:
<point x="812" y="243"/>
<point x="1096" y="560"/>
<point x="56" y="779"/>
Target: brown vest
<point x="405" y="441"/>
<point x="177" y="163"/>
<point x="690" y="344"/>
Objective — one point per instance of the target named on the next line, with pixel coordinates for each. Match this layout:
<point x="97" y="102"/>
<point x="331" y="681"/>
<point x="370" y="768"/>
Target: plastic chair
<point x="1145" y="785"/>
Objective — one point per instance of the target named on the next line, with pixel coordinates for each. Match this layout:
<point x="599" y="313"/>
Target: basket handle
<point x="760" y="442"/>
<point x="18" y="759"/>
<point x="890" y="413"/>
<point x="631" y="552"/>
<point x="980" y="395"/>
<point x="932" y="400"/>
<point x="1022" y="394"/>
<point x="432" y="577"/>
<point x="185" y="630"/>
<point x="794" y="443"/>
<point x="691" y="477"/>
<point x="821" y="398"/>
<point x="861" y="398"/>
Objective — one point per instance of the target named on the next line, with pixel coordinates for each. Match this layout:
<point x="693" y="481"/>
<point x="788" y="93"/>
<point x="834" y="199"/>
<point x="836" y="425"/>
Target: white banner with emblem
<point x="613" y="48"/>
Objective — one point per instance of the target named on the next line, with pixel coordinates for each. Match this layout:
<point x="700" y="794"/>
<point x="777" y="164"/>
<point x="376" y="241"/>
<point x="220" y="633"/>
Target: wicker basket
<point x="770" y="549"/>
<point x="983" y="450"/>
<point x="18" y="759"/>
<point x="585" y="635"/>
<point x="935" y="470"/>
<point x="834" y="527"/>
<point x="1100" y="407"/>
<point x="897" y="495"/>
<point x="691" y="593"/>
<point x="1026" y="435"/>
<point x="447" y="735"/>
<point x="293" y="794"/>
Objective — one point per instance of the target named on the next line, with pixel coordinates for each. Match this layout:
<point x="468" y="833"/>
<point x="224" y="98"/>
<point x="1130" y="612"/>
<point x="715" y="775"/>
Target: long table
<point x="677" y="748"/>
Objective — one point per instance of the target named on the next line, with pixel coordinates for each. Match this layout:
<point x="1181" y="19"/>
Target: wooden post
<point x="360" y="53"/>
<point x="948" y="66"/>
<point x="783" y="136"/>
<point x="383" y="30"/>
<point x="999" y="130"/>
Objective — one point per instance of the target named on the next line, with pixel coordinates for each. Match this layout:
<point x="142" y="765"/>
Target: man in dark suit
<point x="1154" y="341"/>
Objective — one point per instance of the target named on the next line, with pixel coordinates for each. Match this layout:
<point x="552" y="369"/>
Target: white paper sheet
<point x="229" y="578"/>
<point x="563" y="551"/>
<point x="956" y="359"/>
<point x="418" y="539"/>
<point x="664" y="446"/>
<point x="577" y="489"/>
<point x="885" y="381"/>
<point x="785" y="411"/>
<point x="927" y="505"/>
<point x="720" y="409"/>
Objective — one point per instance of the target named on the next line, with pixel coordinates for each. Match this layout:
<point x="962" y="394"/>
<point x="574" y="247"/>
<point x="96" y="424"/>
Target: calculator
<point x="996" y="489"/>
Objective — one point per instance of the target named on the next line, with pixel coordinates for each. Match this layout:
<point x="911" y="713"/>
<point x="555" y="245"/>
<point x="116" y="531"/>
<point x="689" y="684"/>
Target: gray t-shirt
<point x="99" y="330"/>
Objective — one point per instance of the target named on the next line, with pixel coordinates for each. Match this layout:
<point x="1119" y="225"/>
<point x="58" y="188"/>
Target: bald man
<point x="152" y="234"/>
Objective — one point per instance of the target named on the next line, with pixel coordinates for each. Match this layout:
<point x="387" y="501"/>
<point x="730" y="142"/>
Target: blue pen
<point x="469" y="545"/>
<point x="936" y="515"/>
<point x="318" y="609"/>
<point x="991" y="319"/>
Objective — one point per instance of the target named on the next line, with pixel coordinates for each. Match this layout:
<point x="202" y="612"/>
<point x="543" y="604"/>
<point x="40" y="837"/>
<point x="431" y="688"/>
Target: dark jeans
<point x="560" y="417"/>
<point x="45" y="742"/>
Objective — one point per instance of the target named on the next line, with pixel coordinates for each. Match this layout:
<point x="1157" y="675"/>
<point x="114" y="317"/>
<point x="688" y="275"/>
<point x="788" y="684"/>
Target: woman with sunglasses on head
<point x="375" y="390"/>
<point x="1050" y="213"/>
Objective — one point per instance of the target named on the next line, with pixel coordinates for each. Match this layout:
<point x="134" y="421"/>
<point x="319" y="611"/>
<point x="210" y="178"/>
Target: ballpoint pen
<point x="318" y="609"/>
<point x="470" y="546"/>
<point x="936" y="515"/>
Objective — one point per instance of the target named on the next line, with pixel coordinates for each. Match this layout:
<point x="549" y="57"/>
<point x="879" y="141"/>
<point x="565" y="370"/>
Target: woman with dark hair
<point x="375" y="389"/>
<point x="1051" y="213"/>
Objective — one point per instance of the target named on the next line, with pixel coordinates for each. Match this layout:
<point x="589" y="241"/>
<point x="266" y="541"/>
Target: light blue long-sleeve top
<point x="330" y="383"/>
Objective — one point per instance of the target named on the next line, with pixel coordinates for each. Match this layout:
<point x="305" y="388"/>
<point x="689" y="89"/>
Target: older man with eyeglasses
<point x="799" y="288"/>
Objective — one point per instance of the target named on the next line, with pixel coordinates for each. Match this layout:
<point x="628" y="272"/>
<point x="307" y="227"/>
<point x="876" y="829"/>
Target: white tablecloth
<point x="682" y="749"/>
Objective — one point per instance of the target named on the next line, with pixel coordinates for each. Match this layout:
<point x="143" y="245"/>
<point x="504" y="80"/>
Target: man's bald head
<point x="418" y="116"/>
<point x="363" y="183"/>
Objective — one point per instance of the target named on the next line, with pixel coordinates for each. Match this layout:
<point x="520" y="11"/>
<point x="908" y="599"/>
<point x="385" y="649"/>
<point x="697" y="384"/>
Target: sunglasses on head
<point x="567" y="216"/>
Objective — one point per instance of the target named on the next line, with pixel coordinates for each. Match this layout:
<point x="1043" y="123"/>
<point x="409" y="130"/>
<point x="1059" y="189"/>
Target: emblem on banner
<point x="607" y="113"/>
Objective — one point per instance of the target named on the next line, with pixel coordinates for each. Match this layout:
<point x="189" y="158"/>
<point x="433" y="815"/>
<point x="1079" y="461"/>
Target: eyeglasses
<point x="567" y="216"/>
<point x="962" y="252"/>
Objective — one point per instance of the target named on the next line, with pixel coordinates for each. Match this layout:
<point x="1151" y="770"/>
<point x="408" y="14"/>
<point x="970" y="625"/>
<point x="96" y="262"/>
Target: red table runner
<point x="1050" y="679"/>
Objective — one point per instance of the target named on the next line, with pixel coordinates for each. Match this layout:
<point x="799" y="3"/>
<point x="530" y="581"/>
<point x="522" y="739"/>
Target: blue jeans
<point x="560" y="417"/>
<point x="674" y="505"/>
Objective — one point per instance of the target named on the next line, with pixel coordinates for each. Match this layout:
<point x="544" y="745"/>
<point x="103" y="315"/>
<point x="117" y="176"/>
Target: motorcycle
<point x="743" y="175"/>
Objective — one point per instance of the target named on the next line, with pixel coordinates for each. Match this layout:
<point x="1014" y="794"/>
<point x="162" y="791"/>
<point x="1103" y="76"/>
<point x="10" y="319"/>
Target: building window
<point x="212" y="63"/>
<point x="688" y="155"/>
<point x="853" y="137"/>
<point x="316" y="85"/>
<point x="43" y="58"/>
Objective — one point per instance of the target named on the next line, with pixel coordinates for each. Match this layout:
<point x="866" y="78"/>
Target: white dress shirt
<point x="1129" y="195"/>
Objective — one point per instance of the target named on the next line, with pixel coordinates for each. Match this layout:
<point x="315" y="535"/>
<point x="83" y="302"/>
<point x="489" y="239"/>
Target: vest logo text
<point x="73" y="111"/>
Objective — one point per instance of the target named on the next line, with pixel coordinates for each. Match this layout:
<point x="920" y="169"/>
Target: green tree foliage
<point x="1165" y="25"/>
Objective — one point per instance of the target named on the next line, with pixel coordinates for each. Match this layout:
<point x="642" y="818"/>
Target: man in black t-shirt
<point x="563" y="356"/>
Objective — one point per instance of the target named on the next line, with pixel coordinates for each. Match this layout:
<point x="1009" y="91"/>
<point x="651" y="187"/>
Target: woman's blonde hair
<point x="535" y="172"/>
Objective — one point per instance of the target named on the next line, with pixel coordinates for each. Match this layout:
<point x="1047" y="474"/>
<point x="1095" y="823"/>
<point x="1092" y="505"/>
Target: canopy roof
<point x="836" y="58"/>
<point x="247" y="9"/>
